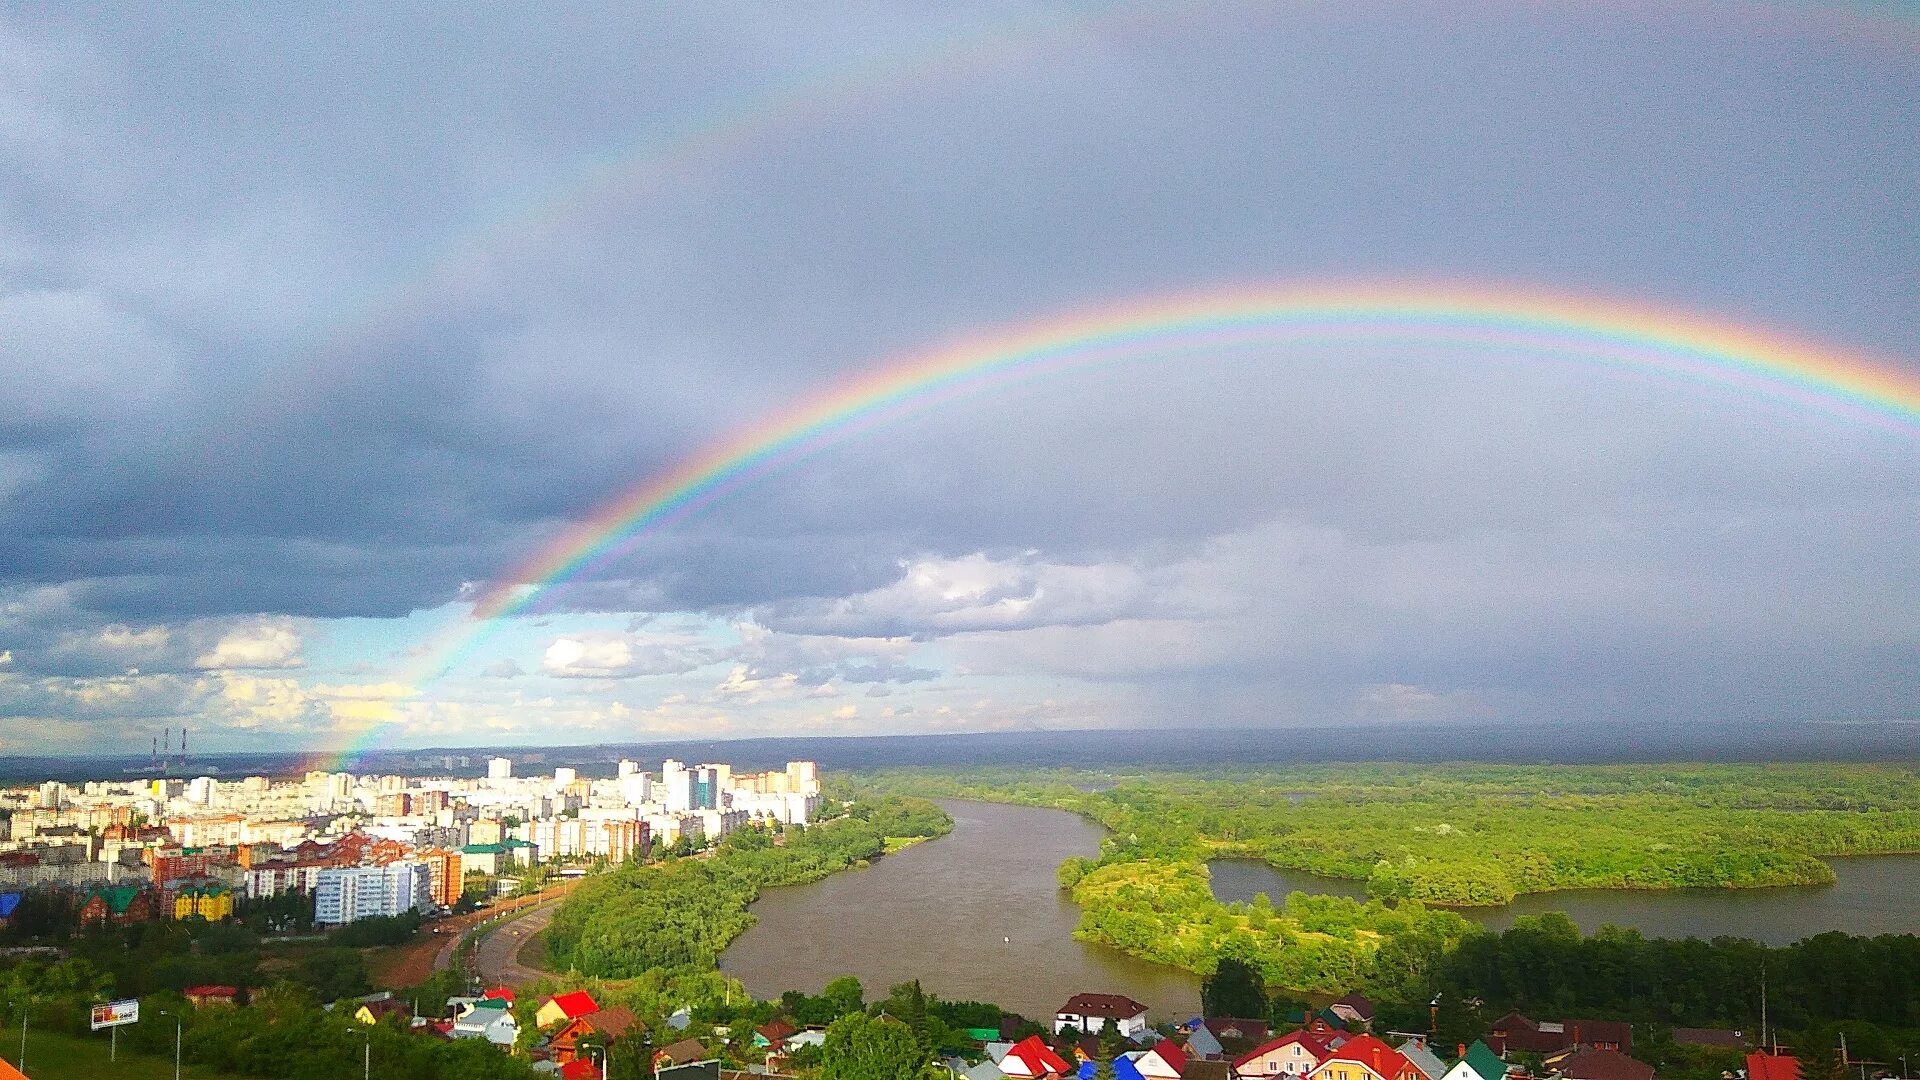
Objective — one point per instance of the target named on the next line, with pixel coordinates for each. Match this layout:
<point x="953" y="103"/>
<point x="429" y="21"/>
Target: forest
<point x="680" y="914"/>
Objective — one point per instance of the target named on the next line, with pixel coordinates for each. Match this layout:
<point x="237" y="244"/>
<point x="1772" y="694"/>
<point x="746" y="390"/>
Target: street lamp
<point x="605" y="1059"/>
<point x="366" y="1057"/>
<point x="22" y="1063"/>
<point x="179" y="1029"/>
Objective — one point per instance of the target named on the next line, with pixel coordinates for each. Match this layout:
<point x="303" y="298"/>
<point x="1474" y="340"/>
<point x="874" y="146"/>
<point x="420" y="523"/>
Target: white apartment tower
<point x="499" y="768"/>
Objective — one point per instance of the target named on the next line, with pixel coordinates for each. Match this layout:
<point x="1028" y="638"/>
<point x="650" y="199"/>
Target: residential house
<point x="1415" y="1051"/>
<point x="372" y="1012"/>
<point x="202" y="898"/>
<point x="684" y="1052"/>
<point x="1364" y="1057"/>
<point x="115" y="905"/>
<point x="1033" y="1059"/>
<point x="9" y="903"/>
<point x="1237" y="1035"/>
<point x="561" y="1008"/>
<point x="207" y="997"/>
<point x="1201" y="1043"/>
<point x="1353" y="1009"/>
<point x="1517" y="1032"/>
<point x="1164" y="1060"/>
<point x="1590" y="1063"/>
<point x="579" y="1069"/>
<point x="1093" y="1013"/>
<point x="608" y="1023"/>
<point x="1208" y="1069"/>
<point x="1477" y="1062"/>
<point x="1719" y="1038"/>
<point x="1294" y="1054"/>
<point x="1764" y="1066"/>
<point x="490" y="1019"/>
<point x="773" y="1034"/>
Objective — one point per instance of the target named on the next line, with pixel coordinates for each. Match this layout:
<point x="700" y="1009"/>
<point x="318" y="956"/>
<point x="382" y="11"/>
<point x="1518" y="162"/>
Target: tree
<point x="861" y="1047"/>
<point x="1234" y="989"/>
<point x="845" y="995"/>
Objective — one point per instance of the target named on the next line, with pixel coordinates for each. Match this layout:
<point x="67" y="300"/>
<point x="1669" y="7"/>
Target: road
<point x="497" y="961"/>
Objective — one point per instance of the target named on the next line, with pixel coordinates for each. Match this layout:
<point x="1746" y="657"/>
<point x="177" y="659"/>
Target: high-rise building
<point x="344" y="894"/>
<point x="678" y="783"/>
<point x="803" y="777"/>
<point x="499" y="768"/>
<point x="563" y="775"/>
<point x="628" y="767"/>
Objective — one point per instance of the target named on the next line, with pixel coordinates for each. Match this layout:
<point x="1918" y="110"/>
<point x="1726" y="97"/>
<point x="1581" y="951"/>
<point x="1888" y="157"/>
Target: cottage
<point x="1164" y="1060"/>
<point x="1588" y="1063"/>
<point x="610" y="1023"/>
<point x="684" y="1052"/>
<point x="774" y="1033"/>
<point x="115" y="905"/>
<point x="1092" y="1013"/>
<point x="1202" y="1044"/>
<point x="1719" y="1038"/>
<point x="490" y="1019"/>
<point x="1294" y="1054"/>
<point x="378" y="1009"/>
<point x="561" y="1008"/>
<point x="1517" y="1032"/>
<point x="1764" y="1066"/>
<point x="1031" y="1059"/>
<point x="205" y="997"/>
<point x="1236" y="1034"/>
<point x="1364" y="1057"/>
<point x="1477" y="1062"/>
<point x="1353" y="1009"/>
<point x="1415" y="1051"/>
<point x="1204" y="1069"/>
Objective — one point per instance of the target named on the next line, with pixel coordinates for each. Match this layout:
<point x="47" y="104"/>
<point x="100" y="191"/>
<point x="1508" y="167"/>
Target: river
<point x="1873" y="894"/>
<point x="974" y="915"/>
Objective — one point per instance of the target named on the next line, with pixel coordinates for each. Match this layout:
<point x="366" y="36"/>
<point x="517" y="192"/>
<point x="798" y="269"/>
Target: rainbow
<point x="1536" y="326"/>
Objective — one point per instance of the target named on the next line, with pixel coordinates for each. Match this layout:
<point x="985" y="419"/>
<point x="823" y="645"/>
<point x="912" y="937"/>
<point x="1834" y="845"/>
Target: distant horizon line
<point x="1332" y="725"/>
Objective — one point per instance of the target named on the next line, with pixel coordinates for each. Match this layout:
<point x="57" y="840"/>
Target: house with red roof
<point x="1164" y="1060"/>
<point x="561" y="1008"/>
<point x="580" y="1069"/>
<point x="203" y="997"/>
<point x="499" y="993"/>
<point x="1294" y="1054"/>
<point x="1364" y="1057"/>
<point x="1032" y="1059"/>
<point x="1763" y="1066"/>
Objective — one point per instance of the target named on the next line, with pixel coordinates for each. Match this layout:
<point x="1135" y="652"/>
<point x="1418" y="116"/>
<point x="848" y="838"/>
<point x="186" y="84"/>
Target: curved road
<point x="497" y="960"/>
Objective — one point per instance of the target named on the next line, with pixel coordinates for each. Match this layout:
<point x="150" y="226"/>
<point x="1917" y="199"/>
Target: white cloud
<point x="624" y="656"/>
<point x="263" y="645"/>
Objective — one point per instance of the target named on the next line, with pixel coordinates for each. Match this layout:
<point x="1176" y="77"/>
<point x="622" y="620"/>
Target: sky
<point x="315" y="325"/>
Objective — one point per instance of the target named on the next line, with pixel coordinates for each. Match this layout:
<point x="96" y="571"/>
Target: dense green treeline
<point x="1547" y="965"/>
<point x="679" y="915"/>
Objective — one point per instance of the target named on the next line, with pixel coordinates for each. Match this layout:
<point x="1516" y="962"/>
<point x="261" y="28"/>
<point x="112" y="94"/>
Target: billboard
<point x="115" y="1013"/>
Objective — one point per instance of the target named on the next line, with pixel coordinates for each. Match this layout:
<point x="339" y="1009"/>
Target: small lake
<point x="1873" y="894"/>
<point x="976" y="914"/>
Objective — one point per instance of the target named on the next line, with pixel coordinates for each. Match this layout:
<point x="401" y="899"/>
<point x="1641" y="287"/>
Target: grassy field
<point x="66" y="1057"/>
